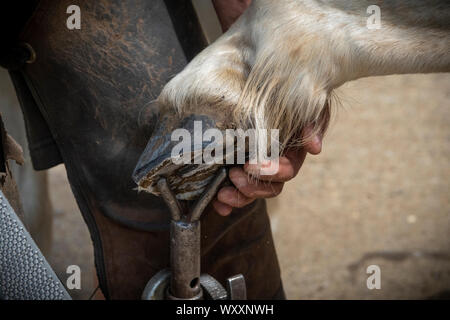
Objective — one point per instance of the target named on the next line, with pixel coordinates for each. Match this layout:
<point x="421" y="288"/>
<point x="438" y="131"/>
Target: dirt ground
<point x="378" y="194"/>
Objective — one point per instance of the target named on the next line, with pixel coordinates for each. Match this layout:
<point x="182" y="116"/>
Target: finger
<point x="254" y="188"/>
<point x="288" y="167"/>
<point x="222" y="208"/>
<point x="234" y="198"/>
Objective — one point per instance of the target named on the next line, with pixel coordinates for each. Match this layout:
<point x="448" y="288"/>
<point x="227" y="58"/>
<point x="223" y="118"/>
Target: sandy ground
<point x="379" y="194"/>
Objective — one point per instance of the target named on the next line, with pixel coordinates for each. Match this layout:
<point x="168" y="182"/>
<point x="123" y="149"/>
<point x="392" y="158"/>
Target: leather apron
<point x="93" y="88"/>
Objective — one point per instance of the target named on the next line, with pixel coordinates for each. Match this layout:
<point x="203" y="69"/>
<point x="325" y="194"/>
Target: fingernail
<point x="240" y="182"/>
<point x="238" y="177"/>
<point x="318" y="141"/>
<point x="265" y="163"/>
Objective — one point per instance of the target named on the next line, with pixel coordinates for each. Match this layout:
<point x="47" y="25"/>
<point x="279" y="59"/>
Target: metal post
<point x="185" y="260"/>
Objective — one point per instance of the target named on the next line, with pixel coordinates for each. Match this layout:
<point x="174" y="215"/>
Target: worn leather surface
<point x="43" y="149"/>
<point x="94" y="88"/>
<point x="241" y="243"/>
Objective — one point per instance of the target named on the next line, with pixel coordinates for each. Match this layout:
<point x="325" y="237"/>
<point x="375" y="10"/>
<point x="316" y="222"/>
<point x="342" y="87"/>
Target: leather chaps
<point x="86" y="100"/>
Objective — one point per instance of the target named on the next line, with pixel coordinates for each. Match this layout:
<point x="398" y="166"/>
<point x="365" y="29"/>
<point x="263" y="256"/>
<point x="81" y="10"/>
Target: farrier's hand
<point x="247" y="189"/>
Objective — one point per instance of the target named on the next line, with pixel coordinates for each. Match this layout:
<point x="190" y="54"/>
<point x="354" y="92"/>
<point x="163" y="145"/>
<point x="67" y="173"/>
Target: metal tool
<point x="184" y="281"/>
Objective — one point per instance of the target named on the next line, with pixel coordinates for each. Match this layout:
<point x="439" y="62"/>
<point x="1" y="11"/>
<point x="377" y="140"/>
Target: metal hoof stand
<point x="184" y="281"/>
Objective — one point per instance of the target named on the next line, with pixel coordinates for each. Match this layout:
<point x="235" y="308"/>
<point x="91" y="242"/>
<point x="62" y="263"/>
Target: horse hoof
<point x="188" y="179"/>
